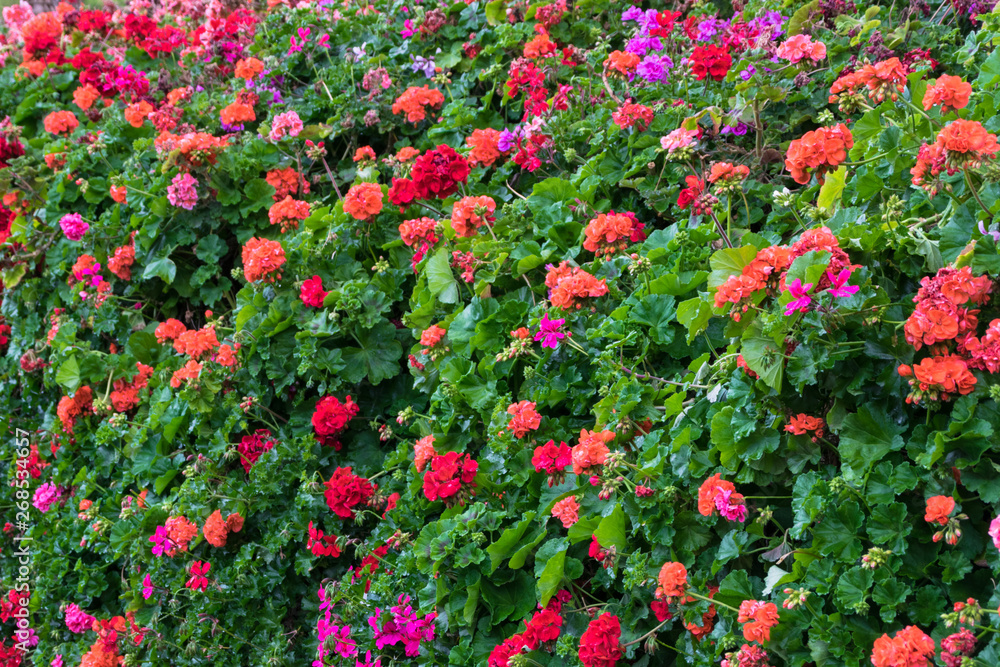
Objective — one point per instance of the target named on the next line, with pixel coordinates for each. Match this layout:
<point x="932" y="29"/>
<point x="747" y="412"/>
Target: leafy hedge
<point x="508" y="334"/>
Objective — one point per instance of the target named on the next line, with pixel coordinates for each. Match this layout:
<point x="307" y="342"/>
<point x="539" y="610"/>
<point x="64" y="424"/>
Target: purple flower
<point x="633" y="13"/>
<point x="800" y="296"/>
<point x="640" y="46"/>
<point x="748" y="72"/>
<point x="507" y="141"/>
<point x="984" y="232"/>
<point x="550" y="331"/>
<point x="739" y="129"/>
<point x="838" y="284"/>
<point x="654" y="69"/>
<point x="711" y="27"/>
<point x="425" y="65"/>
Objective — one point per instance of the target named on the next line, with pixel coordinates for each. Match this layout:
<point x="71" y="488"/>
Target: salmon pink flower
<point x="524" y="418"/>
<point x="566" y="510"/>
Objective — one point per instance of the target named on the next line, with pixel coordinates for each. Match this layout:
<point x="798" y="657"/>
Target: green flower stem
<point x="715" y="602"/>
<point x="648" y="634"/>
<point x="975" y="193"/>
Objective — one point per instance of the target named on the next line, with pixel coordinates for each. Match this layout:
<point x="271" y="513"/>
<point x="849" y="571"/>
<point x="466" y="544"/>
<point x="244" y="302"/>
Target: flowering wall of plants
<point x="387" y="333"/>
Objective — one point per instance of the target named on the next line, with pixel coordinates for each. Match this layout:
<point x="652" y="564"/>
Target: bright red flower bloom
<point x="600" y="644"/>
<point x="345" y="491"/>
<point x="437" y="173"/>
<point x="312" y="292"/>
<point x="252" y="447"/>
<point x="331" y="418"/>
<point x="710" y="60"/>
<point x="320" y="544"/>
<point x="448" y="475"/>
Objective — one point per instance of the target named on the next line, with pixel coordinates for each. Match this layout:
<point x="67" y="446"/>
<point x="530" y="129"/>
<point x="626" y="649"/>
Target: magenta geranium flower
<point x="550" y="331"/>
<point x="800" y="297"/>
<point x="838" y="284"/>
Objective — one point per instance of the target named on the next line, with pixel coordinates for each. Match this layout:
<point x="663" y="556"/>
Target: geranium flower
<point x="800" y="297"/>
<point x="838" y="284"/>
<point x="550" y="331"/>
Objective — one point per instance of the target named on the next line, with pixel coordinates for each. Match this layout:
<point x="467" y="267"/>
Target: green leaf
<point x="832" y="189"/>
<point x="989" y="72"/>
<point x="509" y="539"/>
<point x="12" y="275"/>
<point x="763" y="356"/>
<point x="611" y="530"/>
<point x="729" y="262"/>
<point x="656" y="311"/>
<point x="162" y="268"/>
<point x="801" y="17"/>
<point x="837" y="534"/>
<point x="853" y="586"/>
<point x="68" y="375"/>
<point x="260" y="194"/>
<point x="440" y="279"/>
<point x="551" y="578"/>
<point x="514" y="598"/>
<point x="471" y="602"/>
<point x="694" y="314"/>
<point x="495" y="12"/>
<point x="377" y="358"/>
<point x="865" y="439"/>
<point x="888" y="525"/>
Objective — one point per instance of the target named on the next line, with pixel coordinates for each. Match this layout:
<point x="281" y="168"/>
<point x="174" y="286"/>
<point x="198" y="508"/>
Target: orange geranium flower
<point x="939" y="508"/>
<point x="592" y="450"/>
<point x="196" y="343"/>
<point x="819" y="151"/>
<point x="524" y="418"/>
<point x="287" y="213"/>
<point x="567" y="510"/>
<point x="569" y="284"/>
<point x="85" y="96"/>
<point x="61" y="122"/>
<point x="803" y="424"/>
<point x="968" y="143"/>
<point x="248" y="68"/>
<point x="758" y="617"/>
<point x="909" y="648"/>
<point x="136" y="113"/>
<point x="622" y="63"/>
<point x="611" y="232"/>
<point x="363" y="201"/>
<point x="672" y="580"/>
<point x="724" y="171"/>
<point x="237" y="113"/>
<point x="470" y="213"/>
<point x="262" y="260"/>
<point x="423" y="451"/>
<point x="188" y="372"/>
<point x="181" y="532"/>
<point x="707" y="492"/>
<point x="940" y="377"/>
<point x="948" y="91"/>
<point x="169" y="330"/>
<point x="539" y="46"/>
<point x="485" y="145"/>
<point x="414" y="102"/>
